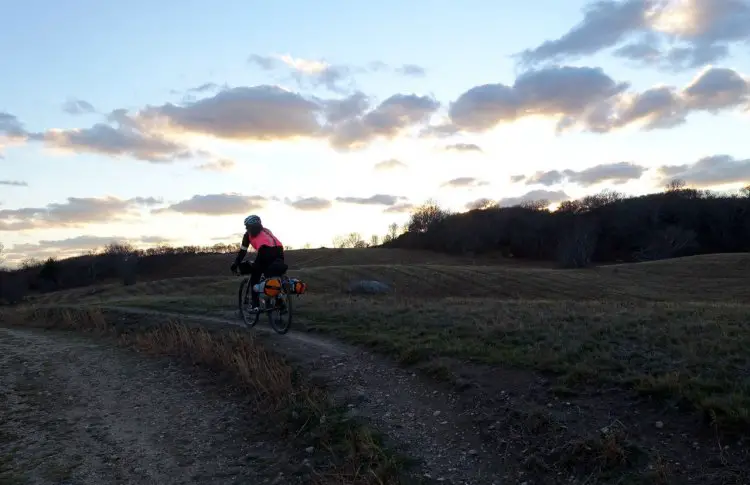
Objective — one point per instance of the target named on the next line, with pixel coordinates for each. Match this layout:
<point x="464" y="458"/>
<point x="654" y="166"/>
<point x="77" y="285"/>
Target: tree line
<point x="600" y="228"/>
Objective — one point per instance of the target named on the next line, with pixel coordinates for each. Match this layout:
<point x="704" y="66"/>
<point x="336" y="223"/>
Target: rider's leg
<point x="255" y="275"/>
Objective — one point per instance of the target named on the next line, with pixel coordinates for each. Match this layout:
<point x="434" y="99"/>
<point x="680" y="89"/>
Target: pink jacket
<point x="264" y="238"/>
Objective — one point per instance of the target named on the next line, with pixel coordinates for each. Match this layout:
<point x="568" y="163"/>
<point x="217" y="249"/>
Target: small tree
<point x="374" y="241"/>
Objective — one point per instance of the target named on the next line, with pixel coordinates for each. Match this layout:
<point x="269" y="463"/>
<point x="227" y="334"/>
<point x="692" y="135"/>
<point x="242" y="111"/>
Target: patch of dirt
<point x="74" y="411"/>
<point x="485" y="425"/>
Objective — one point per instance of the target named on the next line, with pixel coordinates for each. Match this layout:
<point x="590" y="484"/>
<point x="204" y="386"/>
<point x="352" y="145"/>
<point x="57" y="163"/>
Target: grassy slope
<point x="676" y="328"/>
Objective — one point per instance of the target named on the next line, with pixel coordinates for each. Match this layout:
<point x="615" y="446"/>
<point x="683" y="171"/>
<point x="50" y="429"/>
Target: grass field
<point x="673" y="331"/>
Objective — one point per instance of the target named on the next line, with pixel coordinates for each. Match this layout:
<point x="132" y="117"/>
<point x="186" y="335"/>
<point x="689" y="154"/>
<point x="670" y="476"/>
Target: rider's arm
<point x="243" y="249"/>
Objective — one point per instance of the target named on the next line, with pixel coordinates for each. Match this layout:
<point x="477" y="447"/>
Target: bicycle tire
<point x="275" y="317"/>
<point x="248" y="319"/>
<point x="276" y="322"/>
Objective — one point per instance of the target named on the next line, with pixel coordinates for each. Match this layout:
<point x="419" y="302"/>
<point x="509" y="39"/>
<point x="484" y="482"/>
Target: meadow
<point x="653" y="352"/>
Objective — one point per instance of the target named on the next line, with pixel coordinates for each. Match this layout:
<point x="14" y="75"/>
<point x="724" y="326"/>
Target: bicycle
<point x="274" y="302"/>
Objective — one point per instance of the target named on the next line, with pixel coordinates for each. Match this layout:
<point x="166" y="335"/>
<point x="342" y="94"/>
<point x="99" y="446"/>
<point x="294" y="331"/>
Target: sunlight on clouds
<point x="677" y="17"/>
<point x="304" y="65"/>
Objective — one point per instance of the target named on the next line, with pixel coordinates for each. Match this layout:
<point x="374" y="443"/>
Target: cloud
<point x="14" y="183"/>
<point x="309" y="204"/>
<point x="64" y="248"/>
<point x="204" y="88"/>
<point x="78" y="107"/>
<point x="412" y="70"/>
<point x="11" y="130"/>
<point x="713" y="90"/>
<point x="553" y="92"/>
<point x="401" y="208"/>
<point x="220" y="165"/>
<point x="675" y="35"/>
<point x="615" y="173"/>
<point x="708" y="171"/>
<point x="338" y="110"/>
<point x="267" y="63"/>
<point x="586" y="98"/>
<point x="552" y="196"/>
<point x="464" y="182"/>
<point x="482" y="203"/>
<point x="390" y="164"/>
<point x="463" y="147"/>
<point x="317" y="72"/>
<point x="75" y="212"/>
<point x="243" y="113"/>
<point x="377" y="199"/>
<point x="517" y="178"/>
<point x="121" y="136"/>
<point x="387" y="120"/>
<point x="338" y="78"/>
<point x="216" y="204"/>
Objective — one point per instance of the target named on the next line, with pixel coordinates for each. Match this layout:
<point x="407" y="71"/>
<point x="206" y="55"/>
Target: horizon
<point x="150" y="124"/>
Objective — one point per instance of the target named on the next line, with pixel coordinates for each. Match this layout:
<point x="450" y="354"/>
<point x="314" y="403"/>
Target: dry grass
<point x="698" y="278"/>
<point x="666" y="328"/>
<point x="692" y="353"/>
<point x="346" y="451"/>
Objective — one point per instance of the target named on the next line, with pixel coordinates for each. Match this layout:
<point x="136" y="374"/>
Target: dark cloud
<point x="220" y="165"/>
<point x="387" y="120"/>
<point x="552" y="196"/>
<point x="216" y="204"/>
<point x="377" y="199"/>
<point x="76" y="212"/>
<point x="553" y="91"/>
<point x="14" y="183"/>
<point x="517" y="178"/>
<point x="614" y="173"/>
<point x="390" y="164"/>
<point x="412" y="70"/>
<point x="78" y="107"/>
<point x="463" y="147"/>
<point x="646" y="31"/>
<point x="310" y="204"/>
<point x="465" y="182"/>
<point x="708" y="171"/>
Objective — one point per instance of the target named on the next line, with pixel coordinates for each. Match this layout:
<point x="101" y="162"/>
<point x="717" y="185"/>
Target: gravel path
<point x="425" y="421"/>
<point x="75" y="411"/>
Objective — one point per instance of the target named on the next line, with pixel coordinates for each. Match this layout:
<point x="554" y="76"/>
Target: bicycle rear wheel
<point x="281" y="320"/>
<point x="249" y="318"/>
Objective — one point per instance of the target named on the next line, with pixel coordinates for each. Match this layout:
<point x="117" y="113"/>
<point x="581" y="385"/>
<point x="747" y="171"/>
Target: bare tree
<point x="426" y="216"/>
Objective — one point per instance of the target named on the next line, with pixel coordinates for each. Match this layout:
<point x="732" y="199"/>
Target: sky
<point x="171" y="121"/>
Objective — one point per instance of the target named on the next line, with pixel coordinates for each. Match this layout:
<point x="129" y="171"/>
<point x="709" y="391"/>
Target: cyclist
<point x="270" y="252"/>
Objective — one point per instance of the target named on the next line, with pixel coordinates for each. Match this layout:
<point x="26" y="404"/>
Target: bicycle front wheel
<point x="249" y="318"/>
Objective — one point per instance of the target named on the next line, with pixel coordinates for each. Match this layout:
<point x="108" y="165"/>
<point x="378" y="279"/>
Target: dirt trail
<point x="425" y="421"/>
<point x="73" y="411"/>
